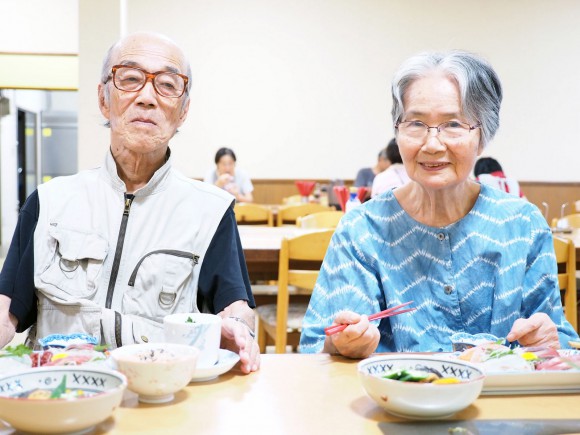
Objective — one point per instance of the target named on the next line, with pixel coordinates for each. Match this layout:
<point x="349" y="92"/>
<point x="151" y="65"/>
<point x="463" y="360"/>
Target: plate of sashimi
<point x="56" y="350"/>
<point x="519" y="370"/>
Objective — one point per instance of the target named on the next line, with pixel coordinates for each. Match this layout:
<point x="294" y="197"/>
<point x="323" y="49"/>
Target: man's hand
<point x="358" y="340"/>
<point x="8" y="322"/>
<point x="237" y="330"/>
<point x="537" y="330"/>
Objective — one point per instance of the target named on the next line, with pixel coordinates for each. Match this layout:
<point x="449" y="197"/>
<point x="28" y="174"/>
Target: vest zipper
<point x="182" y="254"/>
<point x="116" y="262"/>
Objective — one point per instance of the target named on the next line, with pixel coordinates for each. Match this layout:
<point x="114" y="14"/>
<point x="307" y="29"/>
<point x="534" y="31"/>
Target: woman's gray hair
<point x="108" y="65"/>
<point x="479" y="86"/>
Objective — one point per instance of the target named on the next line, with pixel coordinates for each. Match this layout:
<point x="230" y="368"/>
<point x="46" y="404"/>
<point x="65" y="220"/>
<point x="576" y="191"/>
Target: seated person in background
<point x="488" y="171"/>
<point x="395" y="175"/>
<point x="229" y="178"/>
<point x="112" y="250"/>
<point x="365" y="176"/>
<point x="471" y="258"/>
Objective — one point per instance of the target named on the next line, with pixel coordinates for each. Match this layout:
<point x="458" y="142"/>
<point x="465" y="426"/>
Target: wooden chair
<point x="287" y="214"/>
<point x="253" y="214"/>
<point x="275" y="322"/>
<point x="571" y="220"/>
<point x="322" y="219"/>
<point x="566" y="258"/>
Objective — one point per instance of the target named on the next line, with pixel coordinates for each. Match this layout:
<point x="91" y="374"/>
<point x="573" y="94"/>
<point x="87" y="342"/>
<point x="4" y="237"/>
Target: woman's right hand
<point x="358" y="340"/>
<point x="223" y="179"/>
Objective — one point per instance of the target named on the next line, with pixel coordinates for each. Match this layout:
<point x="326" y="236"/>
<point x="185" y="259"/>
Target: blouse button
<point x="448" y="289"/>
<point x="441" y="236"/>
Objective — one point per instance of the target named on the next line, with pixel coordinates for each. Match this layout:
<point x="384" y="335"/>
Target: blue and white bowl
<point x="420" y="400"/>
<point x="462" y="340"/>
<point x="60" y="415"/>
<point x="64" y="340"/>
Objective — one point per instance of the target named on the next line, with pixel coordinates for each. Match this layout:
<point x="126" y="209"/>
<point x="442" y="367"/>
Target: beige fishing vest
<point x="165" y="231"/>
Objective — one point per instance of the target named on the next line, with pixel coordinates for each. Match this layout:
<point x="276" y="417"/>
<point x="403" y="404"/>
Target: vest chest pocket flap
<point x="157" y="283"/>
<point x="73" y="271"/>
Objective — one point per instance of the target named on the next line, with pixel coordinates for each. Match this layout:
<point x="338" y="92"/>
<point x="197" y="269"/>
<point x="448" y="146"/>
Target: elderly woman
<point x="229" y="178"/>
<point x="470" y="257"/>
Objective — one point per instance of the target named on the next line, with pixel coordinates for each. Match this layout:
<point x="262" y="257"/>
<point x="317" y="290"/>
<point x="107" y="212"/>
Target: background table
<point x="261" y="247"/>
<point x="313" y="394"/>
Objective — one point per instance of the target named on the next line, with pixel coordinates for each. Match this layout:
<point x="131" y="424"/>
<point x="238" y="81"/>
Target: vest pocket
<point x="157" y="283"/>
<point x="54" y="318"/>
<point x="76" y="264"/>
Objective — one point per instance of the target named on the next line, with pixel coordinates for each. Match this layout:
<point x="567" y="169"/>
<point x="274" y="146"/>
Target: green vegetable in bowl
<point x="60" y="390"/>
<point x="189" y="320"/>
<point x="409" y="375"/>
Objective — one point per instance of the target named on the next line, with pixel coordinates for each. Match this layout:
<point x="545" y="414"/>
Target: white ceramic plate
<point x="226" y="361"/>
<point x="535" y="382"/>
<point x="538" y="382"/>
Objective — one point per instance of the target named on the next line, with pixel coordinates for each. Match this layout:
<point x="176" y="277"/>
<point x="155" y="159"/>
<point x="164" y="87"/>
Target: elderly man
<point x="111" y="251"/>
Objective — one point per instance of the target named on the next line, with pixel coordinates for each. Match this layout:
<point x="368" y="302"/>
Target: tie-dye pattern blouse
<point x="479" y="274"/>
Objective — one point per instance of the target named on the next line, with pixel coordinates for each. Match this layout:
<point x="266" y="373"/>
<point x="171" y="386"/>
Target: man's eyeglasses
<point x="133" y="79"/>
<point x="451" y="130"/>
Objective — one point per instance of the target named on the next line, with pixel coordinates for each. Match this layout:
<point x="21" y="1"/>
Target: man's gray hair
<point x="108" y="65"/>
<point x="479" y="86"/>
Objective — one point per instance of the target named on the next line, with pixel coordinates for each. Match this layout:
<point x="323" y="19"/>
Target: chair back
<point x="569" y="221"/>
<point x="566" y="259"/>
<point x="287" y="214"/>
<point x="322" y="219"/>
<point x="308" y="247"/>
<point x="253" y="214"/>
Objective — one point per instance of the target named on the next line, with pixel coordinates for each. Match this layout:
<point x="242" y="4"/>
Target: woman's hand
<point x="223" y="180"/>
<point x="358" y="340"/>
<point x="537" y="330"/>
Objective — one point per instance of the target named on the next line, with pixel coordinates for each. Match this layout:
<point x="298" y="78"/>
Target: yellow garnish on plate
<point x="446" y="381"/>
<point x="529" y="356"/>
<point x="58" y="356"/>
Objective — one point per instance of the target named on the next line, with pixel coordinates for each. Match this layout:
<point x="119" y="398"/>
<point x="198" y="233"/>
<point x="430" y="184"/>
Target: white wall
<point x="39" y="26"/>
<point x="300" y="88"/>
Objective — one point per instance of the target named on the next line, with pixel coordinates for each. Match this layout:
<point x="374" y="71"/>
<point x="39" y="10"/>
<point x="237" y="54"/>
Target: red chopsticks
<point x="381" y="315"/>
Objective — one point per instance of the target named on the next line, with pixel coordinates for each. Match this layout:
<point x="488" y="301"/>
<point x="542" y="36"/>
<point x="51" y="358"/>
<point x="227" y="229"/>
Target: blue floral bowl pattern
<point x="62" y="340"/>
<point x="462" y="340"/>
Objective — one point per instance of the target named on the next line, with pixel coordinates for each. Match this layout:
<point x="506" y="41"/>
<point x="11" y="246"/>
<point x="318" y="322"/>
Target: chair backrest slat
<point x="566" y="257"/>
<point x="310" y="247"/>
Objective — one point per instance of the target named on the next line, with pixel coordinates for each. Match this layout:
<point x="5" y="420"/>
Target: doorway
<point x="26" y="155"/>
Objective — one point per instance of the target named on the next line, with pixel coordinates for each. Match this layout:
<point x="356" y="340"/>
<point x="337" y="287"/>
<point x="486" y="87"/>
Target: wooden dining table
<point x="261" y="247"/>
<point x="320" y="394"/>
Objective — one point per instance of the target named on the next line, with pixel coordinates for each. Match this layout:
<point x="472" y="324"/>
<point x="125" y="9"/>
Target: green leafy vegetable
<point x="407" y="375"/>
<point x="60" y="390"/>
<point x="19" y="350"/>
<point x="189" y="320"/>
<point x="498" y="353"/>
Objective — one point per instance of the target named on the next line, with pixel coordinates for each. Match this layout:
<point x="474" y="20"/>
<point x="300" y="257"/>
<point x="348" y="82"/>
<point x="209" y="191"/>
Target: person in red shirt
<point x="488" y="171"/>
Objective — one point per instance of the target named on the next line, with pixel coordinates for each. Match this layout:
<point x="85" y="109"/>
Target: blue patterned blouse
<point x="476" y="275"/>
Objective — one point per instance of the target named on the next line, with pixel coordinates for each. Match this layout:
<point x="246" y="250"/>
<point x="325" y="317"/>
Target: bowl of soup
<point x="59" y="399"/>
<point x="420" y="386"/>
<point x="156" y="371"/>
